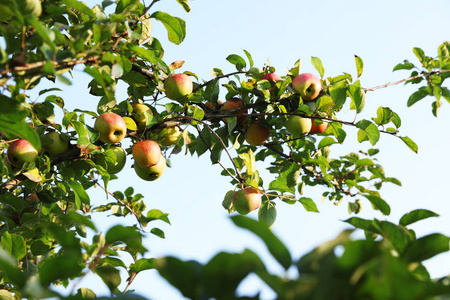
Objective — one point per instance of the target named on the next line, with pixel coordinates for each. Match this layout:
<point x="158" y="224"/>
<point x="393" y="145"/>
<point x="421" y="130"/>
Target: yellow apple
<point x="297" y="125"/>
<point x="256" y="134"/>
<point x="151" y="173"/>
<point x="139" y="114"/>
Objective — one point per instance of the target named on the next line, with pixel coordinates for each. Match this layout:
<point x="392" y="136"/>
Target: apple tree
<point x="290" y="122"/>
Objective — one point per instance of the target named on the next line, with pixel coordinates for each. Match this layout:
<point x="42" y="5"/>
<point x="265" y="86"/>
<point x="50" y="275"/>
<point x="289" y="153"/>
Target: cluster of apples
<point x="150" y="163"/>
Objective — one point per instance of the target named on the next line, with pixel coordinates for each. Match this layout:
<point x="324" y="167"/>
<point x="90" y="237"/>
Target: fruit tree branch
<point x="406" y="79"/>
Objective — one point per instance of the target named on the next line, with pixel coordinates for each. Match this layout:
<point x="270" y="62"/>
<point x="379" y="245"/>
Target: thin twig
<point x="117" y="199"/>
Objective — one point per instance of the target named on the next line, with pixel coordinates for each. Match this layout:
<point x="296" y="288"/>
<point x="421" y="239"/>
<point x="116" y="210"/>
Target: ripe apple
<point x="210" y="105"/>
<point x="271" y="77"/>
<point x="177" y="86"/>
<point x="307" y="85"/>
<point x="246" y="200"/>
<point x="172" y="137"/>
<point x="151" y="173"/>
<point x="297" y="125"/>
<point x="318" y="128"/>
<point x="146" y="153"/>
<point x="57" y="145"/>
<point x="21" y="151"/>
<point x="234" y="103"/>
<point x="32" y="198"/>
<point x="256" y="134"/>
<point x="112" y="128"/>
<point x="119" y="156"/>
<point x="139" y="116"/>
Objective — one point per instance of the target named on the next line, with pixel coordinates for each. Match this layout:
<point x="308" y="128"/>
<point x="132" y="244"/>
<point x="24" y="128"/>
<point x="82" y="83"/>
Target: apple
<point x="21" y="151"/>
<point x="173" y="136"/>
<point x="212" y="106"/>
<point x="178" y="86"/>
<point x="151" y="173"/>
<point x="256" y="134"/>
<point x="112" y="128"/>
<point x="118" y="154"/>
<point x="146" y="153"/>
<point x="297" y="125"/>
<point x="32" y="198"/>
<point x="57" y="145"/>
<point x="307" y="85"/>
<point x="139" y="114"/>
<point x="234" y="103"/>
<point x="318" y="128"/>
<point x="32" y="7"/>
<point x="246" y="200"/>
<point x="271" y="77"/>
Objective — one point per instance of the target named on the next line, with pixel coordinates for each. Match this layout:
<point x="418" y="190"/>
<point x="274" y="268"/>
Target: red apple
<point x="256" y="134"/>
<point x="271" y="77"/>
<point x="21" y="151"/>
<point x="112" y="128"/>
<point x="307" y="85"/>
<point x="318" y="128"/>
<point x="246" y="200"/>
<point x="151" y="173"/>
<point x="297" y="125"/>
<point x="234" y="103"/>
<point x="178" y="86"/>
<point x="146" y="153"/>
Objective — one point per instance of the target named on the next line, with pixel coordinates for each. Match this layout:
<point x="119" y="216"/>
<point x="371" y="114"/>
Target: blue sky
<point x="383" y="34"/>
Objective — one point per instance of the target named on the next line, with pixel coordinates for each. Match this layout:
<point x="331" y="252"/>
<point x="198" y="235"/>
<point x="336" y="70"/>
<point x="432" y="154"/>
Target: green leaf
<point x="379" y="204"/>
<point x="384" y="116"/>
<point x="416" y="215"/>
<point x="317" y="63"/>
<point x="222" y="275"/>
<point x="185" y="4"/>
<point x="406" y="65"/>
<point x="326" y="141"/>
<point x="416" y="96"/>
<point x="237" y="60"/>
<point x="146" y="54"/>
<point x="128" y="235"/>
<point x="250" y="59"/>
<point x="212" y="91"/>
<point x="358" y="97"/>
<point x="410" y="143"/>
<point x="183" y="275"/>
<point x="419" y="53"/>
<point x="308" y="204"/>
<point x="59" y="267"/>
<point x="359" y="65"/>
<point x="426" y="247"/>
<point x="109" y="275"/>
<point x="79" y="6"/>
<point x="176" y="27"/>
<point x="274" y="245"/>
<point x="80" y="194"/>
<point x="14" y="244"/>
<point x="338" y="93"/>
<point x="156" y="214"/>
<point x="10" y="269"/>
<point x="267" y="213"/>
<point x="158" y="232"/>
<point x="324" y="104"/>
<point x="368" y="131"/>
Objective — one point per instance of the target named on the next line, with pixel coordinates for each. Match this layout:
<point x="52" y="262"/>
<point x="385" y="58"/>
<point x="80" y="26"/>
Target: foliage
<point x="45" y="242"/>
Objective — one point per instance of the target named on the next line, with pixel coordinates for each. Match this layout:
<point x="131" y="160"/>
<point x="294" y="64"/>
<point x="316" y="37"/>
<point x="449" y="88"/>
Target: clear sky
<point x="383" y="34"/>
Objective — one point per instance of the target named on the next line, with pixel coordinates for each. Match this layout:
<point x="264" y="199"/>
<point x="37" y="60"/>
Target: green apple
<point x="178" y="86"/>
<point x="31" y="7"/>
<point x="139" y="114"/>
<point x="307" y="85"/>
<point x="112" y="128"/>
<point x="297" y="125"/>
<point x="21" y="151"/>
<point x="172" y="137"/>
<point x="118" y="155"/>
<point x="56" y="144"/>
<point x="256" y="134"/>
<point x="146" y="153"/>
<point x="246" y="200"/>
<point x="151" y="173"/>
